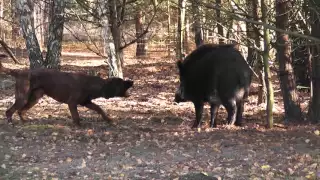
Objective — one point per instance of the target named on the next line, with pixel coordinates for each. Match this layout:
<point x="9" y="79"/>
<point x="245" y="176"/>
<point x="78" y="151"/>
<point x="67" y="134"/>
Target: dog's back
<point x="64" y="86"/>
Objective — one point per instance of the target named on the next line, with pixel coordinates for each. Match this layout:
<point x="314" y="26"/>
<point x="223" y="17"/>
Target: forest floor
<point x="153" y="138"/>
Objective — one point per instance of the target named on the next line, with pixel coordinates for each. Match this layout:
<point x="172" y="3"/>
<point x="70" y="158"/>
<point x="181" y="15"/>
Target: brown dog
<point x="69" y="88"/>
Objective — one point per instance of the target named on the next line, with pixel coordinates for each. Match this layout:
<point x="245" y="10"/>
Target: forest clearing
<point x="153" y="138"/>
<point x="159" y="89"/>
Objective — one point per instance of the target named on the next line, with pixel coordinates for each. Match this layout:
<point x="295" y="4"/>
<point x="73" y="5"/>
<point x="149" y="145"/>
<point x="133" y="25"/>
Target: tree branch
<point x="7" y="49"/>
<point x="296" y="34"/>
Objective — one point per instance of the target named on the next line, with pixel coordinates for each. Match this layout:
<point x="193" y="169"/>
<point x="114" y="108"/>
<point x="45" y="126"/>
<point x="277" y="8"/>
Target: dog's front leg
<point x="74" y="114"/>
<point x="96" y="108"/>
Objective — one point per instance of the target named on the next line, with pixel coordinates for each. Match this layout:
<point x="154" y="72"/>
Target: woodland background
<point x="142" y="40"/>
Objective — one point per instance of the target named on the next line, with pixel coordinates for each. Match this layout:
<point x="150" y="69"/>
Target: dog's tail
<point x="11" y="72"/>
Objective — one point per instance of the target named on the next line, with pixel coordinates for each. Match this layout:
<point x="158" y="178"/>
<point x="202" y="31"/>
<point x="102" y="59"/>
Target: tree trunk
<point x="181" y="26"/>
<point x="168" y="28"/>
<point x="25" y="10"/>
<point x="219" y="23"/>
<point x="38" y="16"/>
<point x="267" y="75"/>
<point x="114" y="51"/>
<point x="46" y="16"/>
<point x="55" y="35"/>
<point x="198" y="31"/>
<point x="258" y="64"/>
<point x="314" y="113"/>
<point x="2" y="32"/>
<point x="286" y="74"/>
<point x="141" y="41"/>
<point x="15" y="21"/>
<point x="186" y="37"/>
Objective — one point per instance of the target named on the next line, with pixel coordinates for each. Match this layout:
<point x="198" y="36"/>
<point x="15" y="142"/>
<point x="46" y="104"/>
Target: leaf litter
<point x="152" y="139"/>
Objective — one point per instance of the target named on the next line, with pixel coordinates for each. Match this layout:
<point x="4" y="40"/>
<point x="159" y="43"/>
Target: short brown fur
<point x="70" y="88"/>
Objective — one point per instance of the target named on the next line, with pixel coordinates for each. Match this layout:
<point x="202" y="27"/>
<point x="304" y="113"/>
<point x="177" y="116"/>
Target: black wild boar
<point x="217" y="74"/>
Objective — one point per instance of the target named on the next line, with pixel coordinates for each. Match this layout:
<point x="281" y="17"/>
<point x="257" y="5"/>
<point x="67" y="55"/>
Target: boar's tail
<point x="11" y="72"/>
<point x="245" y="82"/>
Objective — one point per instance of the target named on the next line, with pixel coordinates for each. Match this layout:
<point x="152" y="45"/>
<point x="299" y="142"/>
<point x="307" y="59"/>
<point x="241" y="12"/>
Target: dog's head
<point x="117" y="87"/>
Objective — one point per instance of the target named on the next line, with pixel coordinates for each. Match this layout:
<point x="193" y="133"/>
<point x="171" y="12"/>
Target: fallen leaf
<point x="69" y="159"/>
<point x="265" y="167"/>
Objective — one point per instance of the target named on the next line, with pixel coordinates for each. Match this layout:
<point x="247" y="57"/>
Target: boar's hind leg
<point x="240" y="109"/>
<point x="199" y="109"/>
<point x="231" y="108"/>
<point x="213" y="111"/>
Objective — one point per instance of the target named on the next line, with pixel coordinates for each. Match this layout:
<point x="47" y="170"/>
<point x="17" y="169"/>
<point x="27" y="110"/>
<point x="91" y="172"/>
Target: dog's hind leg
<point x="32" y="100"/>
<point x="96" y="108"/>
<point x="74" y="114"/>
<point x="21" y="96"/>
<point x="18" y="104"/>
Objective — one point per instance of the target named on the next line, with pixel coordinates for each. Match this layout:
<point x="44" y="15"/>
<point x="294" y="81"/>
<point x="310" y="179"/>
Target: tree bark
<point x="286" y="74"/>
<point x="314" y="113"/>
<point x="38" y="16"/>
<point x="267" y="75"/>
<point x="25" y="10"/>
<point x="141" y="42"/>
<point x="256" y="54"/>
<point x="46" y="16"/>
<point x="219" y="23"/>
<point x="15" y="21"/>
<point x="198" y="31"/>
<point x="116" y="54"/>
<point x="55" y="35"/>
<point x="2" y="32"/>
<point x="181" y="25"/>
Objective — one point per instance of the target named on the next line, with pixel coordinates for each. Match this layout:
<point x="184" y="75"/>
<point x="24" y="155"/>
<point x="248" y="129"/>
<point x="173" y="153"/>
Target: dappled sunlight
<point x="151" y="131"/>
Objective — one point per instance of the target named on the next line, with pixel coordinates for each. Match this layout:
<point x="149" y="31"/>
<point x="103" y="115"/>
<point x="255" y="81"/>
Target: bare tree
<point x="52" y="60"/>
<point x="314" y="113"/>
<point x="15" y="20"/>
<point x="267" y="74"/>
<point x="219" y="22"/>
<point x="181" y="29"/>
<point x="198" y="31"/>
<point x="286" y="74"/>
<point x="141" y="42"/>
<point x="26" y="9"/>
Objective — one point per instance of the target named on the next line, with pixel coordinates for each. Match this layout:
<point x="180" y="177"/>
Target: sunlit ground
<point x="153" y="138"/>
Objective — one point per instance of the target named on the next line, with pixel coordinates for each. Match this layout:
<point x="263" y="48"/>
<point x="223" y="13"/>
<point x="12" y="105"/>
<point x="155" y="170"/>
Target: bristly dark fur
<point x="70" y="88"/>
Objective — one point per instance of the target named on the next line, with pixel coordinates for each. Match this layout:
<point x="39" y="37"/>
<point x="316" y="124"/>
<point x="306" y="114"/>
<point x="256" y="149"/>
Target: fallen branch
<point x="7" y="49"/>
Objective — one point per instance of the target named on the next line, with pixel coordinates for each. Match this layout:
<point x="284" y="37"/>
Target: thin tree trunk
<point x="46" y="16"/>
<point x="198" y="31"/>
<point x="38" y="15"/>
<point x="286" y="74"/>
<point x="314" y="113"/>
<point x="2" y="32"/>
<point x="168" y="28"/>
<point x="259" y="60"/>
<point x="181" y="25"/>
<point x="15" y="19"/>
<point x="266" y="37"/>
<point x="116" y="53"/>
<point x="141" y="42"/>
<point x="55" y="35"/>
<point x="186" y="37"/>
<point x="25" y="10"/>
<point x="219" y="23"/>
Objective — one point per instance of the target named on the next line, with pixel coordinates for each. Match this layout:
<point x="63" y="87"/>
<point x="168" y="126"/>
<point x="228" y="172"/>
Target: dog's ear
<point x="128" y="84"/>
